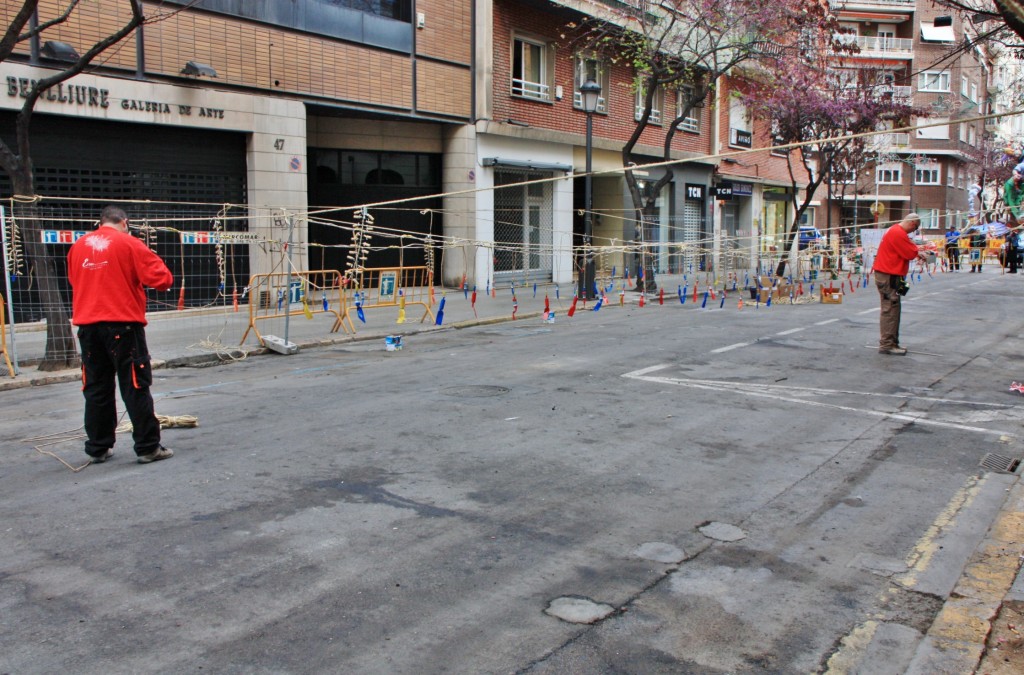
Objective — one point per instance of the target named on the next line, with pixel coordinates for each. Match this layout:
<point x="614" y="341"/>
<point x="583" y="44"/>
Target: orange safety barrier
<point x="274" y="296"/>
<point x="373" y="287"/>
<point x="3" y="337"/>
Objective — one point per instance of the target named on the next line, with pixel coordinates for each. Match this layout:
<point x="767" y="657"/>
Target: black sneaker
<point x="99" y="459"/>
<point x="155" y="456"/>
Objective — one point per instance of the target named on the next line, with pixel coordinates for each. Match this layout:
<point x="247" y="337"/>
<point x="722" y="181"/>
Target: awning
<point x="501" y="162"/>
<point x="931" y="33"/>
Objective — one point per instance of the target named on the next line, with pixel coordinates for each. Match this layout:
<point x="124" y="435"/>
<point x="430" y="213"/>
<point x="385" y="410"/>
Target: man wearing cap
<point x="892" y="262"/>
<point x="1013" y="195"/>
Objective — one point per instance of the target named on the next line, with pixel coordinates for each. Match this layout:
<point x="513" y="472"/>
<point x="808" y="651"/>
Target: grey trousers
<point x="889" y="317"/>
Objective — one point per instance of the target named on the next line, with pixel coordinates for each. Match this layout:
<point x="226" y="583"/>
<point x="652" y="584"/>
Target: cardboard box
<point x="831" y="296"/>
<point x="782" y="291"/>
<point x="765" y="282"/>
<point x="764" y="295"/>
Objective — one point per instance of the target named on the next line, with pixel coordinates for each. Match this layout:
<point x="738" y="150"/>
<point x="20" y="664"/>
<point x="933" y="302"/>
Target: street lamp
<point x="590" y="92"/>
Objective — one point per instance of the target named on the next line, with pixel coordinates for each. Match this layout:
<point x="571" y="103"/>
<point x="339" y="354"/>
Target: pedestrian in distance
<point x="1013" y="195"/>
<point x="953" y="248"/>
<point x="109" y="270"/>
<point x="977" y="242"/>
<point x="892" y="262"/>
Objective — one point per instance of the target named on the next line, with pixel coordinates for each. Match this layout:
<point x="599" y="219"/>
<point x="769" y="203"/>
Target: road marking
<point x="792" y="330"/>
<point x="766" y="391"/>
<point x="731" y="347"/>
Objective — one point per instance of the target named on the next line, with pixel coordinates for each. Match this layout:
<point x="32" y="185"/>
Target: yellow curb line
<point x="965" y="621"/>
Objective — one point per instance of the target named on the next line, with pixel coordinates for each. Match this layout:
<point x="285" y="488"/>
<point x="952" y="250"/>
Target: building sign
<point x="743" y="189"/>
<point x="95" y="97"/>
<point x="62" y="236"/>
<point x="695" y="192"/>
<point x="741" y="138"/>
<point x="217" y="237"/>
<point x="722" y="191"/>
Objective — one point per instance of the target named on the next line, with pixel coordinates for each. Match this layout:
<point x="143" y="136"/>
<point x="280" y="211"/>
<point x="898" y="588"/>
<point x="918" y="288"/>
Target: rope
<point x="56" y="438"/>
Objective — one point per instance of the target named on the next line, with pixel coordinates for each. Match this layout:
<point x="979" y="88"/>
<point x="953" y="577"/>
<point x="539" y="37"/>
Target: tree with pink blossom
<point x="682" y="48"/>
<point x="822" y="124"/>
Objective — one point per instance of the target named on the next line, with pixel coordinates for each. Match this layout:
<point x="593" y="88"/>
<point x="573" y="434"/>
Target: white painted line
<point x="792" y="330"/>
<point x="763" y="391"/>
<point x="826" y="322"/>
<point x="731" y="347"/>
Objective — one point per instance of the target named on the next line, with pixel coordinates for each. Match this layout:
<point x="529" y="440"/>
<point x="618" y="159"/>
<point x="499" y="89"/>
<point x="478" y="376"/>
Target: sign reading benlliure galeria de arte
<point x="95" y="97"/>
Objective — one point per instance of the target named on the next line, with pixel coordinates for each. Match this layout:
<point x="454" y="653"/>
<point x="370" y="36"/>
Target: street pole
<point x="590" y="93"/>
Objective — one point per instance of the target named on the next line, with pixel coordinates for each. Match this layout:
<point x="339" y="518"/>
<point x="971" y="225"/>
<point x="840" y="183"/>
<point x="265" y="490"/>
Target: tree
<point x="683" y="47"/>
<point x="16" y="162"/>
<point x="808" y="106"/>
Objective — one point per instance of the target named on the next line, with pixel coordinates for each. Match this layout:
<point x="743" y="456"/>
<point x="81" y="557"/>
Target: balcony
<point x="878" y="47"/>
<point x="885" y="142"/>
<point x="893" y="5"/>
<point x="899" y="94"/>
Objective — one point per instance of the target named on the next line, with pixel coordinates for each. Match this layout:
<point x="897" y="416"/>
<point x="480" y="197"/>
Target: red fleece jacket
<point x="895" y="252"/>
<point x="109" y="270"/>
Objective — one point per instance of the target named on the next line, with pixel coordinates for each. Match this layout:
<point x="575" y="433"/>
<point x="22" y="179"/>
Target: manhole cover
<point x="994" y="462"/>
<point x="475" y="391"/>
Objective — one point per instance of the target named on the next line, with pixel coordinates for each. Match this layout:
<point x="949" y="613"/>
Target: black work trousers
<point x="117" y="350"/>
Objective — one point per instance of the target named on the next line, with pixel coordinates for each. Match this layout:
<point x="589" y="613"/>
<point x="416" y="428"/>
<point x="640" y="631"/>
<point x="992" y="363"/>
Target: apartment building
<point x="912" y="50"/>
<point x="530" y="126"/>
<point x="278" y="107"/>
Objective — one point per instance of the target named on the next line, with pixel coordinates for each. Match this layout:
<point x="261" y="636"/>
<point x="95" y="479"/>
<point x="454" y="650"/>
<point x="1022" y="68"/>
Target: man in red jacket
<point x="109" y="270"/>
<point x="891" y="265"/>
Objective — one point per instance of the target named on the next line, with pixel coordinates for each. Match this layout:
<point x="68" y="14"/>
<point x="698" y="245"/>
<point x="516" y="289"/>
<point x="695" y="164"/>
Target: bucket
<point x="392" y="343"/>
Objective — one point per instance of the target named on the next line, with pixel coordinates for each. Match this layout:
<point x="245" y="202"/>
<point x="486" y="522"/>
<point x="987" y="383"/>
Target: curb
<point x="211" y="358"/>
<point x="956" y="640"/>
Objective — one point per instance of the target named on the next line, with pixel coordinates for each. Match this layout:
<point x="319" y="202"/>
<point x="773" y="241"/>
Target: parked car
<point x="809" y="237"/>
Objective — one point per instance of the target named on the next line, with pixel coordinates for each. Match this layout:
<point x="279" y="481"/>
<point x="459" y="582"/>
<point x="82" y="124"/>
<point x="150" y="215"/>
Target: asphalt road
<point x="460" y="505"/>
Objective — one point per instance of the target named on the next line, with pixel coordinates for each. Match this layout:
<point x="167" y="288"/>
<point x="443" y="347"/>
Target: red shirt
<point x="108" y="270"/>
<point x="895" y="252"/>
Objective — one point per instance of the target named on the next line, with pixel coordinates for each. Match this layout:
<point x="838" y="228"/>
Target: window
<point x="591" y="69"/>
<point x="933" y="80"/>
<point x="974" y="92"/>
<point x="371" y="22"/>
<point x="691" y="122"/>
<point x="934" y="132"/>
<point x="889" y="174"/>
<point x="963" y="86"/>
<point x="844" y="176"/>
<point x="529" y="69"/>
<point x="972" y="136"/>
<point x="926" y="173"/>
<point x="929" y="218"/>
<point x="357" y="167"/>
<point x="949" y="177"/>
<point x="932" y="33"/>
<point x="656" y="106"/>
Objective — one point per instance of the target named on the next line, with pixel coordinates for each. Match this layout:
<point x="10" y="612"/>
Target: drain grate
<point x="995" y="462"/>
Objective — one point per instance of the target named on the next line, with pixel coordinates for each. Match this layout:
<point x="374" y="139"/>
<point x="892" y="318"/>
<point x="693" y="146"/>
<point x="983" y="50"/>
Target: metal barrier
<point x="3" y="337"/>
<point x="374" y="287"/>
<point x="273" y="296"/>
